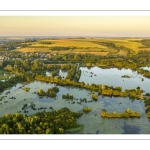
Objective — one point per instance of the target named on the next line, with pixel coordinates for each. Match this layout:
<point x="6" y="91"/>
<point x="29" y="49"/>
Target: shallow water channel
<point x="93" y="122"/>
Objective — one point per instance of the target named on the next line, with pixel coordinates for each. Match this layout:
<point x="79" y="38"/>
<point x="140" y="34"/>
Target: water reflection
<point x="131" y="129"/>
<point x="113" y="77"/>
<point x="62" y="73"/>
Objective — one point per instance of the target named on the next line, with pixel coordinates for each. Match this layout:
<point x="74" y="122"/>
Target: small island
<point x="125" y="76"/>
<point x="51" y="92"/>
<point x="26" y="89"/>
<point x="86" y="109"/>
<point x="67" y="96"/>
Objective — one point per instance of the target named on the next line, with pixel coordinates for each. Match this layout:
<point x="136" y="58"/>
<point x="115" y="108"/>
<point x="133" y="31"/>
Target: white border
<point x="77" y="137"/>
<point x="74" y="13"/>
<point x="74" y="5"/>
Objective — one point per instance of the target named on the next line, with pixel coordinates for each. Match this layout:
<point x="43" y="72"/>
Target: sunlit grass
<point x="87" y="45"/>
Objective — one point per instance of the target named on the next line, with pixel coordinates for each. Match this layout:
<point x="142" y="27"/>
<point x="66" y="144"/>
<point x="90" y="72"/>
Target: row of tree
<point x="18" y="66"/>
<point x="125" y="114"/>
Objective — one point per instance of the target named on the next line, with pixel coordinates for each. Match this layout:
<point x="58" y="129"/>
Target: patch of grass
<point x="4" y="77"/>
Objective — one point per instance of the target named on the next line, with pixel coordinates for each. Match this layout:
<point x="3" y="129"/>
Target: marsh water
<point x="93" y="122"/>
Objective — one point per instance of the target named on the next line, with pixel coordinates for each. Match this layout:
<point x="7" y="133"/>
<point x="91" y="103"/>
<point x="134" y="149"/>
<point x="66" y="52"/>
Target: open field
<point x="70" y="42"/>
<point x="30" y="49"/>
<point x="87" y="45"/>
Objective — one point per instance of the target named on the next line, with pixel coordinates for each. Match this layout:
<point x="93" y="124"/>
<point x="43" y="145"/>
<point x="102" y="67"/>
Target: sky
<point x="94" y="26"/>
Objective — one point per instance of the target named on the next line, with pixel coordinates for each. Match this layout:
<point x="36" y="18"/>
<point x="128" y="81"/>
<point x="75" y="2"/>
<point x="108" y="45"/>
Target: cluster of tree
<point x="147" y="94"/>
<point x="20" y="66"/>
<point x="132" y="61"/>
<point x="94" y="96"/>
<point x="109" y="91"/>
<point x="13" y="44"/>
<point x="10" y="46"/>
<point x="142" y="58"/>
<point x="51" y="92"/>
<point x="71" y="72"/>
<point x="145" y="73"/>
<point x="108" y="44"/>
<point x="51" y="67"/>
<point x="77" y="76"/>
<point x="46" y="42"/>
<point x="67" y="96"/>
<point x="26" y="89"/>
<point x="126" y="114"/>
<point x="59" y="48"/>
<point x="54" y="122"/>
<point x="146" y="42"/>
<point x="54" y="73"/>
<point x="134" y="93"/>
<point x="147" y="105"/>
<point x="86" y="109"/>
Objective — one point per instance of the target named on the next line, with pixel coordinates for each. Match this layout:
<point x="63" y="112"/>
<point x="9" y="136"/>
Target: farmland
<point x="87" y="45"/>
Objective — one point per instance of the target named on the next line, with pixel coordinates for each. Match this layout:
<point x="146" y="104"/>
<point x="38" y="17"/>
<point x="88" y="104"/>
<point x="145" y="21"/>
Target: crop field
<point x="71" y="42"/>
<point x="126" y="43"/>
<point x="31" y="49"/>
<point x="86" y="45"/>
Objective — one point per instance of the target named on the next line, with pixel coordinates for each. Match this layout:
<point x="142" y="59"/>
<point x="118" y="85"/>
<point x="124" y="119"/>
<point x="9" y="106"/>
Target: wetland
<point x="61" y="92"/>
<point x="18" y="100"/>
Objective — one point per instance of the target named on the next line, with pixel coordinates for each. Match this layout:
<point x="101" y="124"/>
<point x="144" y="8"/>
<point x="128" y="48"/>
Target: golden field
<point x="86" y="45"/>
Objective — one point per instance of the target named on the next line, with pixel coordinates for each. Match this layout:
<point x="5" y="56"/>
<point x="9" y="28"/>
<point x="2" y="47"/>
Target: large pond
<point x="14" y="99"/>
<point x="113" y="77"/>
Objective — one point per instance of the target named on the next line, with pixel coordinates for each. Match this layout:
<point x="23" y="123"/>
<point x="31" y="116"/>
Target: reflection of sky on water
<point x="113" y="77"/>
<point x="62" y="73"/>
<point x="146" y="68"/>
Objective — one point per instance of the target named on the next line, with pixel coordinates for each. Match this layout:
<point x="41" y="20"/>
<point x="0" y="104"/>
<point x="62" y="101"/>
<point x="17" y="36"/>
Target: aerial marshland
<point x="77" y="85"/>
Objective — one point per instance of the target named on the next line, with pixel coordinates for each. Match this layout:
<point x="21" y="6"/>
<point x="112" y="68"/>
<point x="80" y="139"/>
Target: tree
<point x="128" y="110"/>
<point x="9" y="68"/>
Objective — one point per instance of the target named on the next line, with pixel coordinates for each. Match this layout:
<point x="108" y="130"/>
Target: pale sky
<point x="102" y="26"/>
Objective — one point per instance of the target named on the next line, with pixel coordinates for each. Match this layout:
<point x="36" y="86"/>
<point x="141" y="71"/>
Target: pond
<point x="62" y="73"/>
<point x="93" y="122"/>
<point x="113" y="77"/>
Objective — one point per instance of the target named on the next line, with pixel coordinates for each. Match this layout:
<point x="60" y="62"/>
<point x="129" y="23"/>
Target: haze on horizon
<point x="98" y="26"/>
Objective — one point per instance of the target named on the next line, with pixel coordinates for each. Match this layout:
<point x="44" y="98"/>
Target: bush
<point x="86" y="109"/>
